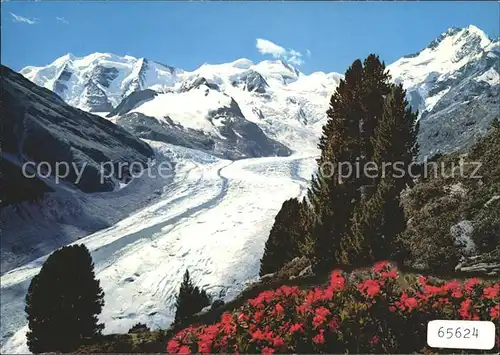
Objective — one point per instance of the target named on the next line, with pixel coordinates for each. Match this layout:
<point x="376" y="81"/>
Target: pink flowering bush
<point x="361" y="312"/>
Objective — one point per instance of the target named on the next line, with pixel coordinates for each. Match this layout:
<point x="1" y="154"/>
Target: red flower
<point x="392" y="308"/>
<point x="268" y="350"/>
<point x="381" y="265"/>
<point x="465" y="308"/>
<point x="374" y="340"/>
<point x="278" y="341"/>
<point x="495" y="312"/>
<point x="320" y="316"/>
<point x="411" y="303"/>
<point x="257" y="335"/>
<point x="369" y="288"/>
<point x="267" y="296"/>
<point x="255" y="302"/>
<point x="337" y="282"/>
<point x="303" y="308"/>
<point x="173" y="346"/>
<point x="491" y="292"/>
<point x="257" y="316"/>
<point x="279" y="310"/>
<point x="469" y="285"/>
<point x="392" y="274"/>
<point x="407" y="302"/>
<point x="204" y="347"/>
<point x="457" y="293"/>
<point x="314" y="295"/>
<point x="452" y="285"/>
<point x="226" y="318"/>
<point x="184" y="350"/>
<point x="242" y="317"/>
<point x="287" y="291"/>
<point x="334" y="324"/>
<point x="433" y="290"/>
<point x="296" y="328"/>
<point x="328" y="294"/>
<point x="320" y="338"/>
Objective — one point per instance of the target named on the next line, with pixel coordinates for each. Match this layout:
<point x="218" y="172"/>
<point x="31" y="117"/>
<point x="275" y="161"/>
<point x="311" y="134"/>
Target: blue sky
<point x="327" y="35"/>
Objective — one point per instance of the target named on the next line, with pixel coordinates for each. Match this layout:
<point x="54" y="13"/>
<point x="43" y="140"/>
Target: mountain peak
<point x="467" y="34"/>
<point x="242" y="63"/>
<point x="64" y="59"/>
<point x="459" y="36"/>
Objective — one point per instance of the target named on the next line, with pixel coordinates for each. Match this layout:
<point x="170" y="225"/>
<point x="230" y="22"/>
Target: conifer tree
<point x="333" y="195"/>
<point x="375" y="87"/>
<point x="63" y="302"/>
<point x="379" y="220"/>
<point x="282" y="244"/>
<point x="190" y="299"/>
<point x="395" y="138"/>
<point x="374" y="227"/>
<point x="306" y="242"/>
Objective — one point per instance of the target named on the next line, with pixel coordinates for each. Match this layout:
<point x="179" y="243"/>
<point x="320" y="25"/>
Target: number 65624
<point x="458" y="332"/>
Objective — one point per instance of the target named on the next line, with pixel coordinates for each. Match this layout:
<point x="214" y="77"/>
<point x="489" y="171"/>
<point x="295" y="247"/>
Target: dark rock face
<point x="103" y="76"/>
<point x="15" y="187"/>
<point x="96" y="98"/>
<point x="252" y="81"/>
<point x="242" y="138"/>
<point x="196" y="83"/>
<point x="131" y="101"/>
<point x="138" y="82"/>
<point x="60" y="86"/>
<point x="464" y="113"/>
<point x="150" y="128"/>
<point x="39" y="127"/>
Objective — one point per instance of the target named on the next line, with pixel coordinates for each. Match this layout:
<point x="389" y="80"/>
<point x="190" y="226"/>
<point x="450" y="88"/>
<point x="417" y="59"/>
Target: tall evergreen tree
<point x="333" y="194"/>
<point x="375" y="86"/>
<point x="284" y="238"/>
<point x="378" y="221"/>
<point x="190" y="299"/>
<point x="63" y="302"/>
<point x="395" y="138"/>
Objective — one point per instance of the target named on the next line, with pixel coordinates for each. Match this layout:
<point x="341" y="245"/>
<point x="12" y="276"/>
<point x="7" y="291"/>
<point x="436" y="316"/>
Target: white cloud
<point x="63" y="20"/>
<point x="308" y="52"/>
<point x="17" y="18"/>
<point x="267" y="47"/>
<point x="290" y="55"/>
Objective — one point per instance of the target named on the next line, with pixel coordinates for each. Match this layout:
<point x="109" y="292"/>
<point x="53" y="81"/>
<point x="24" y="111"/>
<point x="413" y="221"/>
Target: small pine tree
<point x="63" y="302"/>
<point x="190" y="299"/>
<point x="282" y="244"/>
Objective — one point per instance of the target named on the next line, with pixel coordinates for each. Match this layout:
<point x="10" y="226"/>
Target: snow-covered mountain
<point x="234" y="110"/>
<point x="454" y="83"/>
<point x="99" y="81"/>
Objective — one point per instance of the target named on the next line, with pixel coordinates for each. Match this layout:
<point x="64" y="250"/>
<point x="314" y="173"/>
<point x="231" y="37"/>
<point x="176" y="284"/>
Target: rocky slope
<point x="454" y="83"/>
<point x="40" y="127"/>
<point x="41" y="214"/>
